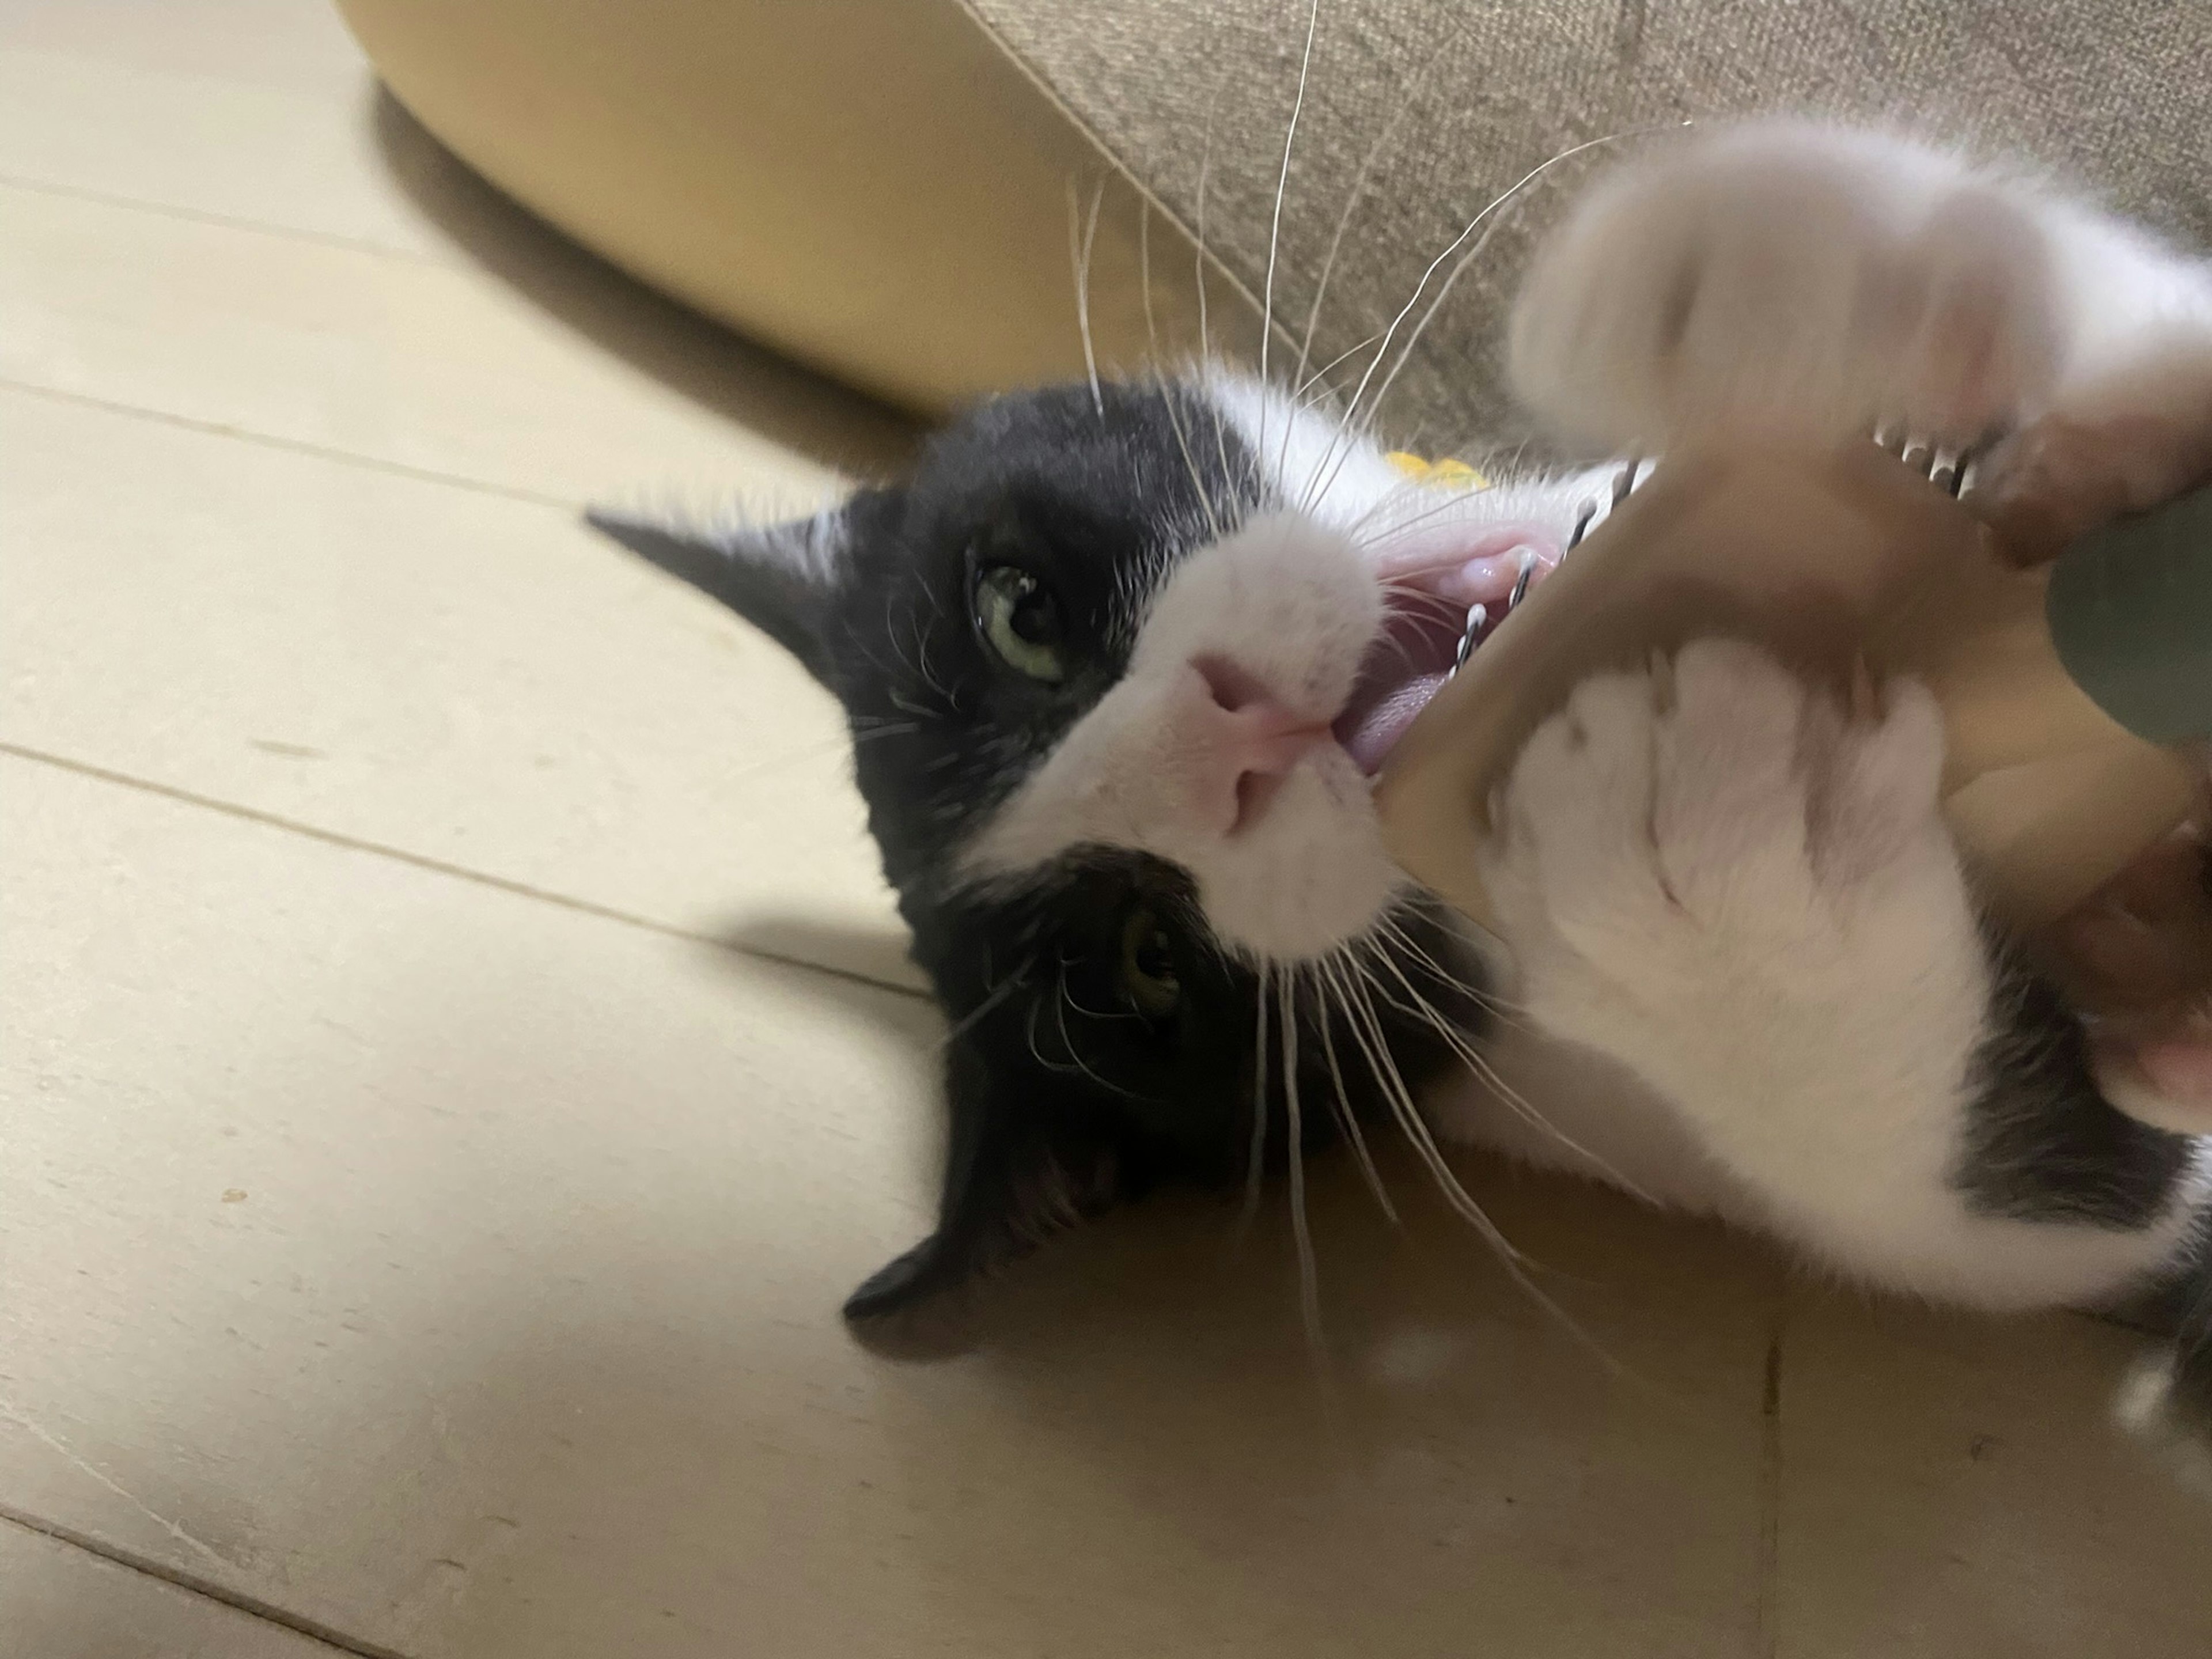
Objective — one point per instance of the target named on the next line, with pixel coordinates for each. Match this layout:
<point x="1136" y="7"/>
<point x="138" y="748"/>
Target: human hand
<point x="2141" y="950"/>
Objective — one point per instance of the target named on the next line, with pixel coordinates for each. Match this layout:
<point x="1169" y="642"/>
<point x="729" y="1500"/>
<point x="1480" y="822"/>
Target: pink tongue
<point x="1413" y="657"/>
<point x="1370" y="733"/>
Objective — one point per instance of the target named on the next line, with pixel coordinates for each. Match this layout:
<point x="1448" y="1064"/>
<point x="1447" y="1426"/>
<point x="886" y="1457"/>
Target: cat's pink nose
<point x="1245" y="742"/>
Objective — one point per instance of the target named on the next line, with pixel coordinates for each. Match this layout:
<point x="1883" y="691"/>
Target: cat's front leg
<point x="1788" y="275"/>
<point x="1743" y="892"/>
<point x="1784" y="276"/>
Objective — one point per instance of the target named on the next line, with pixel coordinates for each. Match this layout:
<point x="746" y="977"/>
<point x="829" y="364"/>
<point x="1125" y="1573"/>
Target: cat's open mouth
<point x="1405" y="666"/>
<point x="1429" y="591"/>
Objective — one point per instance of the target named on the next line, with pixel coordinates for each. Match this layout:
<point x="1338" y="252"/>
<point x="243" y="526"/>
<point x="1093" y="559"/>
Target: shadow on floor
<point x="632" y="1423"/>
<point x="873" y="957"/>
<point x="1140" y="1426"/>
<point x="683" y="350"/>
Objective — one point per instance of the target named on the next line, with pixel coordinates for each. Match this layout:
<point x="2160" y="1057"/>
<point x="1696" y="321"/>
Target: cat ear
<point x="783" y="578"/>
<point x="1018" y="1172"/>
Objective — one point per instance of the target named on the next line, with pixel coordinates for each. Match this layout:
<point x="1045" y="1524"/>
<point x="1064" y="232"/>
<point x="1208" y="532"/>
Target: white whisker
<point x="1488" y="1001"/>
<point x="1144" y="277"/>
<point x="1417" y="1131"/>
<point x="1354" y="422"/>
<point x="1301" y="1231"/>
<point x="1443" y="292"/>
<point x="1170" y="400"/>
<point x="1080" y="252"/>
<point x="1299" y="391"/>
<point x="1205" y="336"/>
<point x="1367" y="1031"/>
<point x="927" y="669"/>
<point x="1402" y="600"/>
<point x="1204" y="169"/>
<point x="1448" y="502"/>
<point x="1403" y="103"/>
<point x="1346" y="1115"/>
<point x="1168" y="388"/>
<point x="1517" y="1103"/>
<point x="998" y="994"/>
<point x="1256" y="1159"/>
<point x="1282" y="188"/>
<point x="1061" y="1004"/>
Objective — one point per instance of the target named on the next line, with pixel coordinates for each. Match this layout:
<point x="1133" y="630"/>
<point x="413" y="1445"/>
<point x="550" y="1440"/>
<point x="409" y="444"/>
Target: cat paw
<point x="1710" y="863"/>
<point x="1791" y="276"/>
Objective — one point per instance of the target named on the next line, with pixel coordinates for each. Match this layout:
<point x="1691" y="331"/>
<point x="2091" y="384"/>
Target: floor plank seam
<point x="253" y="1607"/>
<point x="220" y="221"/>
<point x="289" y="445"/>
<point x="254" y="815"/>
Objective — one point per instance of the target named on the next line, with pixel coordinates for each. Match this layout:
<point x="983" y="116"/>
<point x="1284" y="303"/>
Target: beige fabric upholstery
<point x="1465" y="98"/>
<point x="883" y="188"/>
<point x="872" y="185"/>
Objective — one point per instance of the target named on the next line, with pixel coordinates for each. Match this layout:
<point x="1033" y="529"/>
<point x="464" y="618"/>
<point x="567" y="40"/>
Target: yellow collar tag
<point x="1448" y="473"/>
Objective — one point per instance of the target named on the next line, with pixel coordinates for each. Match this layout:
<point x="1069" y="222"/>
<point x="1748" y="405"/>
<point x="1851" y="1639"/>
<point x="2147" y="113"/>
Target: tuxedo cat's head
<point x="1117" y="664"/>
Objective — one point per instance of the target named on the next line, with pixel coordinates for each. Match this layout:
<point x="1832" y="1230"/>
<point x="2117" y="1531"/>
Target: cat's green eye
<point x="1019" y="618"/>
<point x="1148" y="971"/>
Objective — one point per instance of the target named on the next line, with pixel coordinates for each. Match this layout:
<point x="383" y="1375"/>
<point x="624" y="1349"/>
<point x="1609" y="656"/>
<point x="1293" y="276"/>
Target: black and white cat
<point x="1120" y="661"/>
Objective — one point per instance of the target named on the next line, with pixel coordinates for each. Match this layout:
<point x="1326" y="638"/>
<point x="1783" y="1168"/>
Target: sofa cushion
<point x="888" y="189"/>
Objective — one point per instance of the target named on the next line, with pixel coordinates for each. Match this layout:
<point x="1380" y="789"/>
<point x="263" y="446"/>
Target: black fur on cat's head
<point x="1103" y="1038"/>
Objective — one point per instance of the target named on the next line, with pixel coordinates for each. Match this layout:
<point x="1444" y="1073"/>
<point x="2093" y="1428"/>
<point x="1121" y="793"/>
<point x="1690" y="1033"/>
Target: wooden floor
<point x="432" y="1153"/>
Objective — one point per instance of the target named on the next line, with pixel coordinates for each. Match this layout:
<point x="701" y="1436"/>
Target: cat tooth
<point x="1490" y="579"/>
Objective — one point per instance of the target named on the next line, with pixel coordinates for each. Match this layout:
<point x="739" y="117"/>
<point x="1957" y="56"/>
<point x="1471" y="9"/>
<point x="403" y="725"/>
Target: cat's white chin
<point x="1308" y="877"/>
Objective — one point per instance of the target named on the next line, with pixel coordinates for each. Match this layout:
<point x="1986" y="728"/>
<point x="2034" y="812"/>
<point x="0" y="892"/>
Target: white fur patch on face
<point x="811" y="548"/>
<point x="1313" y="463"/>
<point x="1284" y="609"/>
